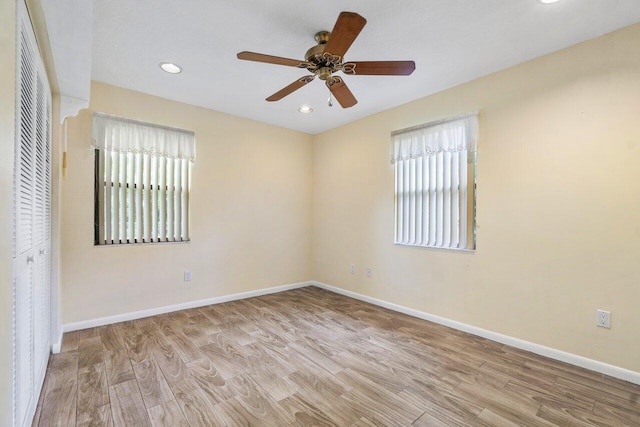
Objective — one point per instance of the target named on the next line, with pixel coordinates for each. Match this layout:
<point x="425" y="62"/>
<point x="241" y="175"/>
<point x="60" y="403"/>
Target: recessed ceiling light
<point x="548" y="1"/>
<point x="305" y="109"/>
<point x="170" y="67"/>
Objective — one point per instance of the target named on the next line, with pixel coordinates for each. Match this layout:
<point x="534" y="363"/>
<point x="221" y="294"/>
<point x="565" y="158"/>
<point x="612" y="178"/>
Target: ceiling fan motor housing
<point x="314" y="55"/>
<point x="320" y="63"/>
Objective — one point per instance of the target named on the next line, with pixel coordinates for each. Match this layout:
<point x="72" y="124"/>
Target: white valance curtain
<point x="445" y="136"/>
<point x="122" y="135"/>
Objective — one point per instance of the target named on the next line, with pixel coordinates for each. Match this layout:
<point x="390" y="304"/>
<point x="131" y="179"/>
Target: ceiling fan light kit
<point x="327" y="58"/>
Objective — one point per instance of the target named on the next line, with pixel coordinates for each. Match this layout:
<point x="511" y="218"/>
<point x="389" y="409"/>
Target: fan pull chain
<point x="330" y="101"/>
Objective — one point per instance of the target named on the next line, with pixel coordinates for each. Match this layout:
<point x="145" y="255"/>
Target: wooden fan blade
<point x="379" y="68"/>
<point x="347" y="28"/>
<point x="291" y="88"/>
<point x="269" y="59"/>
<point x="339" y="89"/>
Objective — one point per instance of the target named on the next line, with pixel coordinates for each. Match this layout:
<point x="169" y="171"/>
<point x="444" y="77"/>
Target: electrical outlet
<point x="369" y="272"/>
<point x="187" y="275"/>
<point x="353" y="269"/>
<point x="603" y="319"/>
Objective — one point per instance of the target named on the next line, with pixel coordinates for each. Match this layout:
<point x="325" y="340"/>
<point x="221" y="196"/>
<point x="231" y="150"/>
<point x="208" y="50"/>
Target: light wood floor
<point x="313" y="358"/>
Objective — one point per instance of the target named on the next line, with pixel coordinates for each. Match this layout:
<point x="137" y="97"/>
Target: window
<point x="142" y="181"/>
<point x="435" y="168"/>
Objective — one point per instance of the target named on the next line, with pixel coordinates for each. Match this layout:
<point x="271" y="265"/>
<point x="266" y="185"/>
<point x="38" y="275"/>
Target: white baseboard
<point x="57" y="344"/>
<point x="85" y="324"/>
<point x="573" y="359"/>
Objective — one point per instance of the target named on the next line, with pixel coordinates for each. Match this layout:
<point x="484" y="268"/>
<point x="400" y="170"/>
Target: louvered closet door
<point x="32" y="230"/>
<point x="41" y="230"/>
<point x="24" y="239"/>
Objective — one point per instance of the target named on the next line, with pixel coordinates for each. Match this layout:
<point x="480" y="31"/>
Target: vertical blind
<point x="143" y="176"/>
<point x="432" y="182"/>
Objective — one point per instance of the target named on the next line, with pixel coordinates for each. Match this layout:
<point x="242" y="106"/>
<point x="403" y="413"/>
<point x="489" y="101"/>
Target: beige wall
<point x="7" y="153"/>
<point x="250" y="214"/>
<point x="558" y="204"/>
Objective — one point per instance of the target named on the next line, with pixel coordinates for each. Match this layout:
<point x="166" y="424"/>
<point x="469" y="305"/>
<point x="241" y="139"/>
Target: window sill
<point x="435" y="247"/>
<point x="142" y="244"/>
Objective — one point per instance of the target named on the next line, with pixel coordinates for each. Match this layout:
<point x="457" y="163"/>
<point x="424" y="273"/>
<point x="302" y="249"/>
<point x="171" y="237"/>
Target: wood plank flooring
<point x="309" y="357"/>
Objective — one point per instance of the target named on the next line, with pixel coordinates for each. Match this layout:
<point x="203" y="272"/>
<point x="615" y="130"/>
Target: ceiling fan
<point x="327" y="58"/>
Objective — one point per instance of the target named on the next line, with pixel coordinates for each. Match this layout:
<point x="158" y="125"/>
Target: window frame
<point x="409" y="226"/>
<point x="142" y="176"/>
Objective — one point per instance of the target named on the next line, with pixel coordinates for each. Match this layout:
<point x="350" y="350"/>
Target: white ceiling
<point x="451" y="42"/>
